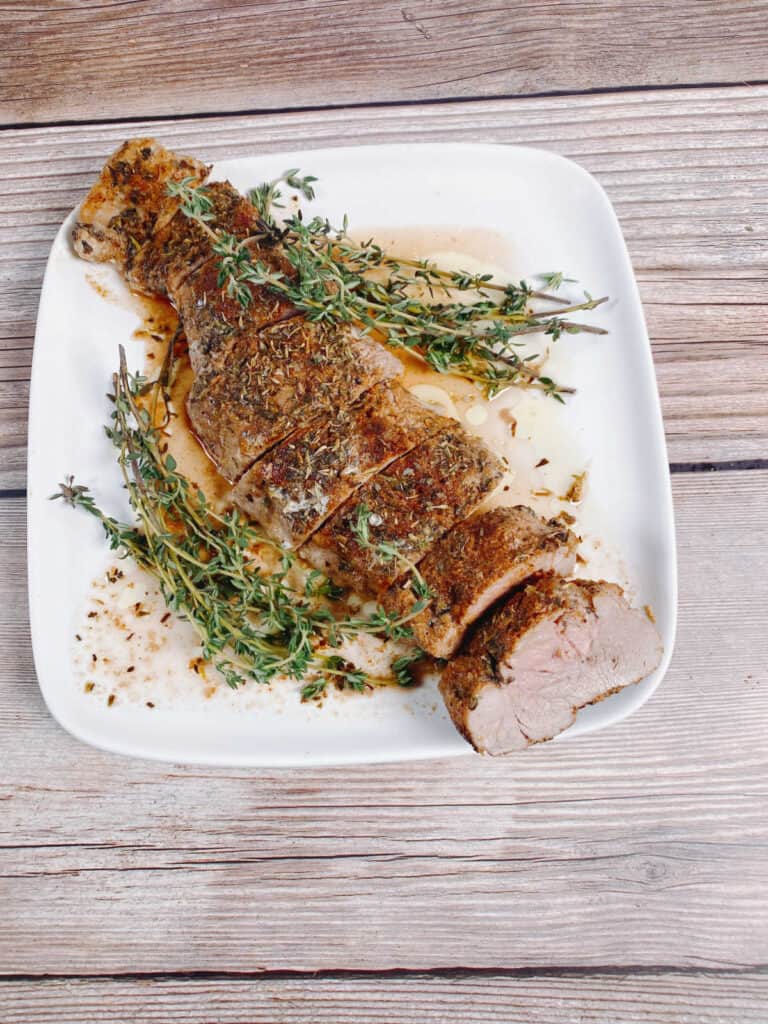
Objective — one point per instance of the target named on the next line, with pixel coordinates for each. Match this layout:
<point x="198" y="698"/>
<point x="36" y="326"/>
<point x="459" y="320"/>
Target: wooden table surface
<point x="619" y="878"/>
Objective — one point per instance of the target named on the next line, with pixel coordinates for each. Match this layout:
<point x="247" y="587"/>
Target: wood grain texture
<point x="75" y="60"/>
<point x="686" y="172"/>
<point x="613" y="999"/>
<point x="644" y="844"/>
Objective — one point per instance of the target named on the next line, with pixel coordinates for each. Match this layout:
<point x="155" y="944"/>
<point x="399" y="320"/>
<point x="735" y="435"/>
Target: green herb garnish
<point x="412" y="304"/>
<point x="252" y="624"/>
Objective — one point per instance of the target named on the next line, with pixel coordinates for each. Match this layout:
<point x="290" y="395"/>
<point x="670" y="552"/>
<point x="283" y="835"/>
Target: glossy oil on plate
<point x="550" y="215"/>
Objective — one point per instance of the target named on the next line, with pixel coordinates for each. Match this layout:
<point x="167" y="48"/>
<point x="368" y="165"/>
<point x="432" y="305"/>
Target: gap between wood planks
<point x="374" y="104"/>
<point x="444" y="973"/>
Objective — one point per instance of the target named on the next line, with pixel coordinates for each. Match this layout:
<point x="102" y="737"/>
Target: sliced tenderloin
<point x="554" y="647"/>
<point x="211" y="316"/>
<point x="475" y="564"/>
<point x="412" y="503"/>
<point x="129" y="200"/>
<point x="180" y="245"/>
<point x="301" y="482"/>
<point x="274" y="381"/>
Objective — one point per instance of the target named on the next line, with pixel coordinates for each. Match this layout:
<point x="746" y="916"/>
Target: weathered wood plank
<point x="629" y="999"/>
<point x="686" y="172"/>
<point x="644" y="844"/>
<point x="77" y="61"/>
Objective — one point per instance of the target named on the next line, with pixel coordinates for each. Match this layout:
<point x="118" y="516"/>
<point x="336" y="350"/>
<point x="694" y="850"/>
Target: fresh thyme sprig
<point x="252" y="624"/>
<point x="336" y="279"/>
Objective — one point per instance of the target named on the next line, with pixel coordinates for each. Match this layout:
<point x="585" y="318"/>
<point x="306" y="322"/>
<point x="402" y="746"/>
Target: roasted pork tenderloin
<point x="477" y="563"/>
<point x="301" y="482"/>
<point x="554" y="647"/>
<point x="276" y="380"/>
<point x="412" y="503"/>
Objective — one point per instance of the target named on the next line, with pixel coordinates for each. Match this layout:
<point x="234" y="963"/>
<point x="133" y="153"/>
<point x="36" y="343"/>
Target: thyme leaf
<point x="402" y="667"/>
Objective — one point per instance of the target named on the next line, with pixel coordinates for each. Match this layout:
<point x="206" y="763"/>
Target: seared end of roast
<point x="553" y="648"/>
<point x="121" y="210"/>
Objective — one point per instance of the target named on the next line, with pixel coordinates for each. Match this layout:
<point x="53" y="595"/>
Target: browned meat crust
<point x="475" y="564"/>
<point x="463" y="678"/>
<point x="413" y="503"/>
<point x="275" y="380"/>
<point x="301" y="482"/>
<point x="181" y="245"/>
<point x="211" y="316"/>
<point x="129" y="200"/>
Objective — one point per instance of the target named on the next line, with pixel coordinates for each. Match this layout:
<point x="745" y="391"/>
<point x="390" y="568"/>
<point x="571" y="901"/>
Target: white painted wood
<point x="642" y="845"/>
<point x="685" y="170"/>
<point x="655" y="998"/>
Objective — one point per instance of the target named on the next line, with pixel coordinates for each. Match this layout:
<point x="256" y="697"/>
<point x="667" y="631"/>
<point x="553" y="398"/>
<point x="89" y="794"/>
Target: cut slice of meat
<point x="301" y="482"/>
<point x="129" y="200"/>
<point x="211" y="316"/>
<point x="475" y="564"/>
<point x="276" y="380"/>
<point x="411" y="504"/>
<point x="180" y="245"/>
<point x="554" y="647"/>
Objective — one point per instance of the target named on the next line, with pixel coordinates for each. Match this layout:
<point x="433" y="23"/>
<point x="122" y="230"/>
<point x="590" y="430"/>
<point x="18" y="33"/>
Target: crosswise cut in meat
<point x="129" y="200"/>
<point x="211" y="316"/>
<point x="475" y="564"/>
<point x="302" y="481"/>
<point x="275" y="380"/>
<point x="551" y="649"/>
<point x="412" y="503"/>
<point x="181" y="245"/>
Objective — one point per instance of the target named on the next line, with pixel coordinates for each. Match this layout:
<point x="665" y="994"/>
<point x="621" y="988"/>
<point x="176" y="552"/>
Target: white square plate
<point x="555" y="217"/>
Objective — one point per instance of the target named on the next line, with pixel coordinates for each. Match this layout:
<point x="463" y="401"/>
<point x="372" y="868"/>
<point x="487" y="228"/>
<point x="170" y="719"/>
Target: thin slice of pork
<point x="476" y="564"/>
<point x="302" y="481"/>
<point x="276" y="380"/>
<point x="129" y="201"/>
<point x="554" y="647"/>
<point x="411" y="504"/>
